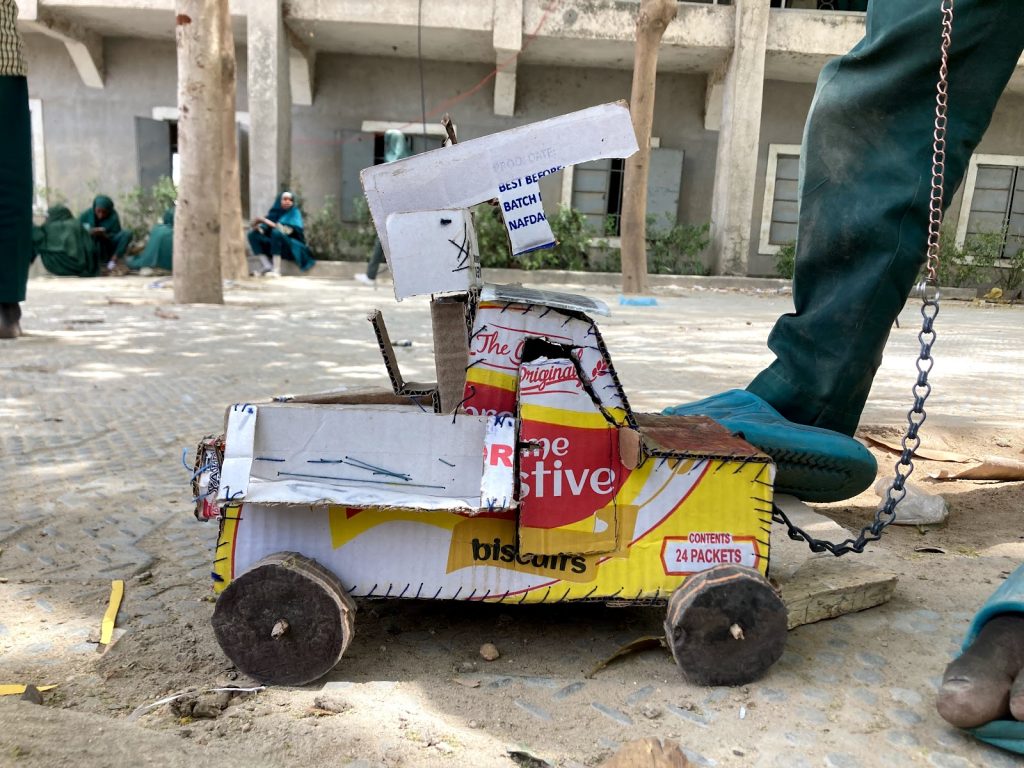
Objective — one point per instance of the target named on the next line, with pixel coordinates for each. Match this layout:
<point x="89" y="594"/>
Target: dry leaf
<point x="929" y="454"/>
<point x="991" y="468"/>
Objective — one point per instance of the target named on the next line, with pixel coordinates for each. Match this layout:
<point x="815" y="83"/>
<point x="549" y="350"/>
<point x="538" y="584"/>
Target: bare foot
<point x="987" y="682"/>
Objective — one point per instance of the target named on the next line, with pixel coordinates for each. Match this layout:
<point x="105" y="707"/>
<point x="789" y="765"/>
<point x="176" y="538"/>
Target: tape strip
<point x="110" y="617"/>
<point x="16" y="689"/>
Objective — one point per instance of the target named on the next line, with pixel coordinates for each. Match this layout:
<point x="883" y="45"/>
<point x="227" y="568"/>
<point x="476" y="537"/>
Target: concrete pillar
<point x="742" y="86"/>
<point x="270" y="104"/>
<point x="508" y="42"/>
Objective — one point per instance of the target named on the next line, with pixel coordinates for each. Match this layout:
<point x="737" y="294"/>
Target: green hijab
<point x="111" y="222"/>
<point x="64" y="246"/>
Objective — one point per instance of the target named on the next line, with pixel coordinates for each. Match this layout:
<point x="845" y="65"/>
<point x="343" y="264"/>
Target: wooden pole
<point x="654" y="17"/>
<point x="197" y="221"/>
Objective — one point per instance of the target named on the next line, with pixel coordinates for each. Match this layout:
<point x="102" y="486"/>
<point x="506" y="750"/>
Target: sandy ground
<point x="113" y="381"/>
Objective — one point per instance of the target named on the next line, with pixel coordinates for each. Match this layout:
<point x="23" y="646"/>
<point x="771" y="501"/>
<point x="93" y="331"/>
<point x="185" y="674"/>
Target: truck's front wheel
<point x="286" y="621"/>
<point x="725" y="626"/>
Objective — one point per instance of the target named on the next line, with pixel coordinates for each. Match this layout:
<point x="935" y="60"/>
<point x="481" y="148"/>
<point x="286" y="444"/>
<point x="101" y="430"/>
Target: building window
<point x="597" y="194"/>
<point x="596" y="188"/>
<point x="993" y="201"/>
<point x="781" y="203"/>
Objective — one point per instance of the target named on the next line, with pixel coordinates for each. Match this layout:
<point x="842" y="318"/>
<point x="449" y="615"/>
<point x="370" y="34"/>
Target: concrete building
<point x="320" y="80"/>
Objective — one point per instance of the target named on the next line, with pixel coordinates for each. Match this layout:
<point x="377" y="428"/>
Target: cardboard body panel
<point x="500" y="332"/>
<point x="471" y="172"/>
<point x="678" y="518"/>
<point x="365" y="455"/>
<point x="570" y="473"/>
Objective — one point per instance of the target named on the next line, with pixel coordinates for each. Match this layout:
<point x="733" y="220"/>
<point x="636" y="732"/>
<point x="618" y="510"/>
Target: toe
<point x="1017" y="697"/>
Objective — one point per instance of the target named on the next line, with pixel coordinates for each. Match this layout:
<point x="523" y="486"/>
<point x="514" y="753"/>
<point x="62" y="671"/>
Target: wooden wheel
<point x="725" y="626"/>
<point x="286" y="621"/>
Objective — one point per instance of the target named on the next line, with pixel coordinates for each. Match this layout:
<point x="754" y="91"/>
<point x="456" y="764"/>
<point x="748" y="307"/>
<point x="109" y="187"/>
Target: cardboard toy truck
<point x="521" y="475"/>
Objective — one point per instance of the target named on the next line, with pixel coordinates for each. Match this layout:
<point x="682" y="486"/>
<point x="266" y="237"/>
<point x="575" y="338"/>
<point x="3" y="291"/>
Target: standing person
<point x="15" y="174"/>
<point x="865" y="178"/>
<point x="281" y="233"/>
<point x="396" y="147"/>
<point x="103" y="224"/>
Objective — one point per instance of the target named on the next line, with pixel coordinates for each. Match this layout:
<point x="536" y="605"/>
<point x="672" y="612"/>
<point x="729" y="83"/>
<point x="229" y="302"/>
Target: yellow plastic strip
<point x="110" y="617"/>
<point x="16" y="689"/>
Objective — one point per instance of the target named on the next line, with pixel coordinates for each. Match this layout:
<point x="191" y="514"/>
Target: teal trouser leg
<point x="15" y="189"/>
<point x="864" y="190"/>
<point x="1009" y="598"/>
<point x="121" y="241"/>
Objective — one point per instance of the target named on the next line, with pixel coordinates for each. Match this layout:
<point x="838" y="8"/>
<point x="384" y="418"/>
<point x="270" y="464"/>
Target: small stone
<point x="185" y="733"/>
<point x="32" y="694"/>
<point x="466" y="666"/>
<point x="246" y="727"/>
<point x="488" y="652"/>
<point x="650" y="711"/>
<point x="474" y="724"/>
<point x="738" y="752"/>
<point x="331" y="704"/>
<point x="144" y="576"/>
<point x="206" y="710"/>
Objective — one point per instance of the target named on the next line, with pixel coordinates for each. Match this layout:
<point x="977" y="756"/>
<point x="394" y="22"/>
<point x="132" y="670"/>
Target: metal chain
<point x="929" y="291"/>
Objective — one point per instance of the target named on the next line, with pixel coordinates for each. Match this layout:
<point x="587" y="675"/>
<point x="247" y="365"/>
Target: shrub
<point x="572" y="239"/>
<point x="142" y="208"/>
<point x="491" y="238"/>
<point x="676" y="250"/>
<point x="785" y="261"/>
<point x="325" y="233"/>
<point x="966" y="266"/>
<point x="361" y="234"/>
<point x="1011" y="272"/>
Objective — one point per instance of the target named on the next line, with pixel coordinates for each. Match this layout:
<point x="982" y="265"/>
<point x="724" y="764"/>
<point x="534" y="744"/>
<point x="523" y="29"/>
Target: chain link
<point x="928" y="290"/>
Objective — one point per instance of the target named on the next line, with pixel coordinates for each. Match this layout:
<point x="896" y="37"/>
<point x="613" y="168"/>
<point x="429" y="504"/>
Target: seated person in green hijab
<point x="64" y="246"/>
<point x="281" y="233"/>
<point x="103" y="224"/>
<point x="159" y="250"/>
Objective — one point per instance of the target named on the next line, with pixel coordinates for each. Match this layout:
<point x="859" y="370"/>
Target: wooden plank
<point x="826" y="588"/>
<point x="815" y="587"/>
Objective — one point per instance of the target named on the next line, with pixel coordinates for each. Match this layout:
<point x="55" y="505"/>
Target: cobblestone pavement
<point x="113" y="382"/>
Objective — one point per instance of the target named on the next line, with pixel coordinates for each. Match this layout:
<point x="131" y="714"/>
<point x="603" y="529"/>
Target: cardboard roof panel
<point x="471" y="172"/>
<point x="517" y="294"/>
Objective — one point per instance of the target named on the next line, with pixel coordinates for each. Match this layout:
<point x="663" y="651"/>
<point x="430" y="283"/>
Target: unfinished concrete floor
<point x="112" y="382"/>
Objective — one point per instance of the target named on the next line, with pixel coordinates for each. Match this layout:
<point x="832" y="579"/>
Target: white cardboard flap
<point x="523" y="211"/>
<point x="238" y="444"/>
<point x="470" y="172"/>
<point x="497" y="488"/>
<point x="433" y="252"/>
<point x="365" y="455"/>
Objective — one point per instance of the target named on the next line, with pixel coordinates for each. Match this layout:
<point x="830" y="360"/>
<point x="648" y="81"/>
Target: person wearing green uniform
<point x="15" y="175"/>
<point x="396" y="147"/>
<point x="103" y="224"/>
<point x="64" y="246"/>
<point x="864" y="191"/>
<point x="159" y="250"/>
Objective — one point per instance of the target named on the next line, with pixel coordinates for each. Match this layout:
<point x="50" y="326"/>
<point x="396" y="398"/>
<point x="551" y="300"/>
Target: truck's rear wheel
<point x="725" y="626"/>
<point x="286" y="621"/>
